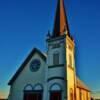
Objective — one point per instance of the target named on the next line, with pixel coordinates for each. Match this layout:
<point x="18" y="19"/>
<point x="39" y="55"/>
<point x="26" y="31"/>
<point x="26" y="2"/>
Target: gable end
<point x="25" y="62"/>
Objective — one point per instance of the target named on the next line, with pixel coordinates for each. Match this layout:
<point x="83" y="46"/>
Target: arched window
<point x="55" y="87"/>
<point x="55" y="92"/>
<point x="70" y="60"/>
<point x="56" y="58"/>
<point x="38" y="87"/>
<point x="71" y="94"/>
<point x="38" y="92"/>
<point x="28" y="92"/>
<point x="28" y="87"/>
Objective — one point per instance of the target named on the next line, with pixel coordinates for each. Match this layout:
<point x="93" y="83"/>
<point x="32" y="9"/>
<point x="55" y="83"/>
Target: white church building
<point x="50" y="75"/>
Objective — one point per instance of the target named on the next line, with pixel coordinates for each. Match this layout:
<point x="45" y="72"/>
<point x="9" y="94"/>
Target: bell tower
<point x="60" y="60"/>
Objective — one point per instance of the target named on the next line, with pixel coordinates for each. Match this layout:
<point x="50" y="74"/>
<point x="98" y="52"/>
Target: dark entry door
<point x="56" y="95"/>
<point x="33" y="96"/>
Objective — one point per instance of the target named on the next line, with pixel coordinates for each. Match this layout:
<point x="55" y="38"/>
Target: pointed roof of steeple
<point x="60" y="23"/>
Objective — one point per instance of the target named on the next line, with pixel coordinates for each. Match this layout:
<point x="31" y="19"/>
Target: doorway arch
<point x="55" y="92"/>
<point x="33" y="93"/>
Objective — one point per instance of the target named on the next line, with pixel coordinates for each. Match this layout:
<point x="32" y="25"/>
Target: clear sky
<point x="25" y="23"/>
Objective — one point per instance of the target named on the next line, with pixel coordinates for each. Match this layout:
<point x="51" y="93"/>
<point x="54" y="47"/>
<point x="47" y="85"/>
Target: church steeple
<point x="60" y="23"/>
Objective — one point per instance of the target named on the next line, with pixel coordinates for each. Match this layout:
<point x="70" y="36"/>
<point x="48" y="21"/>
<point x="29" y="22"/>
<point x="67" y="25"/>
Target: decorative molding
<point x="56" y="45"/>
<point x="56" y="77"/>
<point x="32" y="91"/>
<point x="56" y="38"/>
<point x="55" y="66"/>
<point x="83" y="89"/>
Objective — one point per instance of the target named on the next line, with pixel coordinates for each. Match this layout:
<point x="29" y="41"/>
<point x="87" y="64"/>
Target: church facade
<point x="50" y="75"/>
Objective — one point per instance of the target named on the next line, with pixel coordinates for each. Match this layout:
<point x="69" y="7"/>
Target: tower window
<point x="56" y="58"/>
<point x="71" y="94"/>
<point x="70" y="60"/>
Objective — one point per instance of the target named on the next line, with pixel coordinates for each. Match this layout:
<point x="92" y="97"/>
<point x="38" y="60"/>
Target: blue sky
<point x="24" y="25"/>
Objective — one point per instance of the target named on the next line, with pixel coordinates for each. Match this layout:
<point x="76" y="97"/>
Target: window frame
<point x="70" y="60"/>
<point x="56" y="58"/>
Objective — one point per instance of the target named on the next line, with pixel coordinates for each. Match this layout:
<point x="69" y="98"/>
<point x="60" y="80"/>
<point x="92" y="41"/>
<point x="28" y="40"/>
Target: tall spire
<point x="60" y="23"/>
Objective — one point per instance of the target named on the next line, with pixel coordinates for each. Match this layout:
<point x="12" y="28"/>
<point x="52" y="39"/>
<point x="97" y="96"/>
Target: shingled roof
<point x="81" y="85"/>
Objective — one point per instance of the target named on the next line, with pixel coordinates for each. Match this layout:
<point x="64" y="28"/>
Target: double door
<point x="33" y="96"/>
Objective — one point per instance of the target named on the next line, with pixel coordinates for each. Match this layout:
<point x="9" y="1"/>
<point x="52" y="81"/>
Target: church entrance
<point x="55" y="95"/>
<point x="33" y="95"/>
<point x="55" y="92"/>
